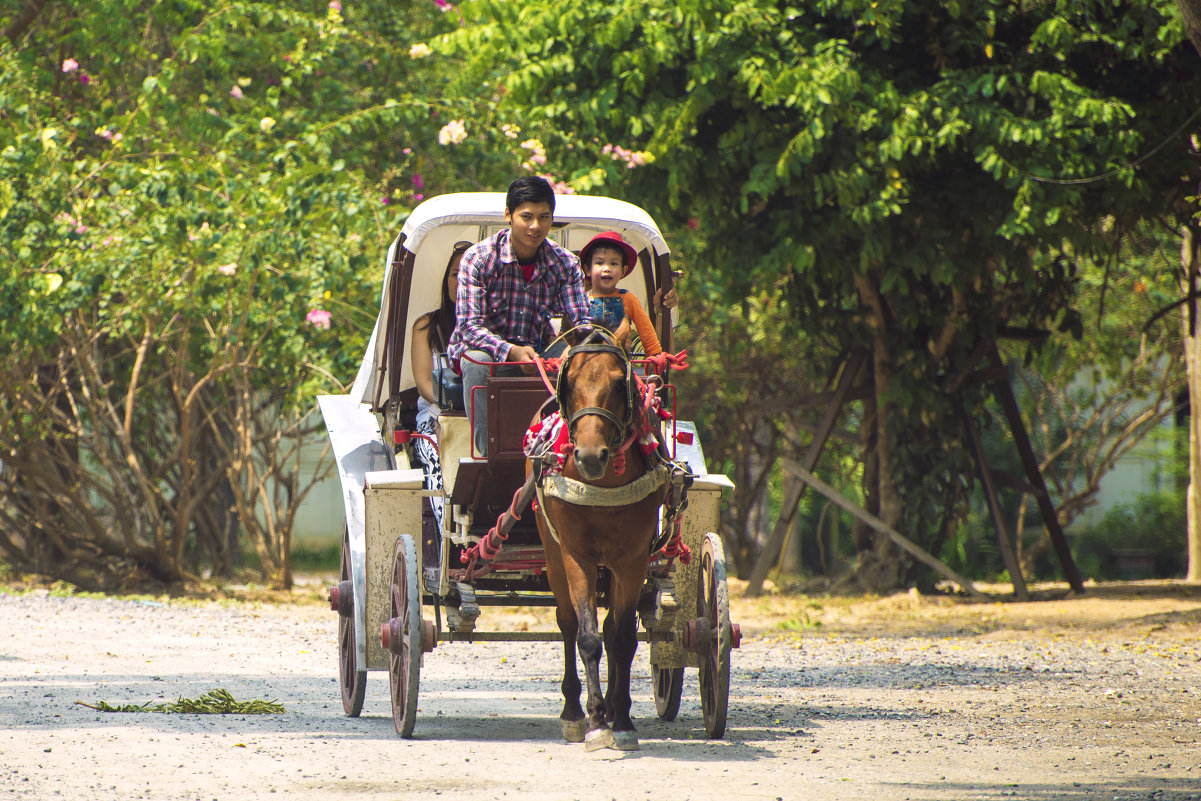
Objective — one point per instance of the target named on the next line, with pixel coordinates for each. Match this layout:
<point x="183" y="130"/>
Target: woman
<point x="427" y="339"/>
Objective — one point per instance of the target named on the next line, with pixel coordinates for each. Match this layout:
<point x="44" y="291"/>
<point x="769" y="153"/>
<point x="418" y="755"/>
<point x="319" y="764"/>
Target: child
<point x="606" y="259"/>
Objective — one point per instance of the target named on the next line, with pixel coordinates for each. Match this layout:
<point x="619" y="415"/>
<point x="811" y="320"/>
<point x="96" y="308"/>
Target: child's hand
<point x="668" y="301"/>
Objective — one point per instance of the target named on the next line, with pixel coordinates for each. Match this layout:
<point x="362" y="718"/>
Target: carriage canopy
<point x="417" y="260"/>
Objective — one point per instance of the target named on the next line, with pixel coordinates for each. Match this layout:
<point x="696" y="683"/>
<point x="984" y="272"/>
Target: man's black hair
<point x="529" y="189"/>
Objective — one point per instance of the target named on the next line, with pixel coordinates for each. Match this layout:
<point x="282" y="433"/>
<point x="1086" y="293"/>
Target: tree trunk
<point x="1190" y="10"/>
<point x="1190" y="260"/>
<point x="879" y="568"/>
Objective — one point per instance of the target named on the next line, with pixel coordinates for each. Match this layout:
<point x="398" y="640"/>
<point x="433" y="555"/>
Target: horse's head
<point x="596" y="398"/>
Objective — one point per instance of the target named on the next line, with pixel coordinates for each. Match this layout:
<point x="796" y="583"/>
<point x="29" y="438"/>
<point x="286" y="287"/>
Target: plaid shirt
<point x="497" y="309"/>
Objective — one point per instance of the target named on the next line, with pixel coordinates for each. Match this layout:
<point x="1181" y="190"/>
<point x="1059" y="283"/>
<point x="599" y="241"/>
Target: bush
<point x="1153" y="528"/>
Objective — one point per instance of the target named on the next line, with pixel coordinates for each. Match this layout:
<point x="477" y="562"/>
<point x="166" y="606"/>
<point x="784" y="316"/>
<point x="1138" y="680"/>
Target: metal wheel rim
<point x="404" y="668"/>
<point x="353" y="681"/>
<point x="668" y="688"/>
<point x="713" y="603"/>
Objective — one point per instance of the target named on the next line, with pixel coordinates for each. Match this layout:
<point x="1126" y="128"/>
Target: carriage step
<point x="461" y="619"/>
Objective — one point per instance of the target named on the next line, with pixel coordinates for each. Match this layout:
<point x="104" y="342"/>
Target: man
<point x="510" y="285"/>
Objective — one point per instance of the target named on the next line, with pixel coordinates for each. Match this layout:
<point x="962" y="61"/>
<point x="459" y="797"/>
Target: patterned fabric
<point x="550" y="433"/>
<point x="497" y="308"/>
<point x="427" y="455"/>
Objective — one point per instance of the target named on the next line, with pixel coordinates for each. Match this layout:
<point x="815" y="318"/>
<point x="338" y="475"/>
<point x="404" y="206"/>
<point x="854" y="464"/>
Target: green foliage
<point x="904" y="172"/>
<point x="186" y="201"/>
<point x="1153" y="525"/>
<point x="214" y="702"/>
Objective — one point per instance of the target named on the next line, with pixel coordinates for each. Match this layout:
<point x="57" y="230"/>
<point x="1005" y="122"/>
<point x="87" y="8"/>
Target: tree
<point x="1092" y="401"/>
<point x="195" y="206"/>
<point x="917" y="177"/>
<point x="1190" y="263"/>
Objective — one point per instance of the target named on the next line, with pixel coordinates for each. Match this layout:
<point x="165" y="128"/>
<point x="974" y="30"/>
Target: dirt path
<point x="894" y="698"/>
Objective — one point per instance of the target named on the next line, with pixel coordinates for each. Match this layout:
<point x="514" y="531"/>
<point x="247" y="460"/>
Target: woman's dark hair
<point x="530" y="189"/>
<point x="442" y="319"/>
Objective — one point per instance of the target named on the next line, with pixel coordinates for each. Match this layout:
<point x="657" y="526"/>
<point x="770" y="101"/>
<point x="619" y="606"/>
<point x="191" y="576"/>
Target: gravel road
<point x="970" y="715"/>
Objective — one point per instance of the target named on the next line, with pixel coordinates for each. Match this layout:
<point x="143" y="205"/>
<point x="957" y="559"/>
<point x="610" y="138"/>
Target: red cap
<point x="613" y="239"/>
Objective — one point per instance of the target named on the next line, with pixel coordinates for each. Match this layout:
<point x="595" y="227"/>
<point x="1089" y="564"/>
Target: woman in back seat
<point x="428" y="338"/>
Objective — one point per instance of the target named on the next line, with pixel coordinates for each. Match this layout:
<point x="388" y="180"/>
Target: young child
<point x="606" y="259"/>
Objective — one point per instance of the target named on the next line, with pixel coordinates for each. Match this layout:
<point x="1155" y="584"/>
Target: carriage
<point x="407" y="584"/>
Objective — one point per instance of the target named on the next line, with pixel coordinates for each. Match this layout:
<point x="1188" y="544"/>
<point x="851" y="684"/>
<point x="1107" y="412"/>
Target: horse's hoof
<point x="597" y="739"/>
<point x="573" y="730"/>
<point x="625" y="740"/>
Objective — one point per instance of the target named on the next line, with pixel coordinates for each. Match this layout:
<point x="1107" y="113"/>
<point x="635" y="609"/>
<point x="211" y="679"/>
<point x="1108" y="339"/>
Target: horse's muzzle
<point x="592" y="462"/>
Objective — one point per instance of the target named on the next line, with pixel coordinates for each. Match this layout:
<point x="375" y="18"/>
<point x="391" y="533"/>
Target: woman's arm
<point x="422" y="359"/>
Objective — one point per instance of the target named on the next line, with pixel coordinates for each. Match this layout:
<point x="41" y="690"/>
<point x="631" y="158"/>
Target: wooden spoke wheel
<point x="351" y="676"/>
<point x="669" y="686"/>
<point x="713" y="606"/>
<point x="402" y="636"/>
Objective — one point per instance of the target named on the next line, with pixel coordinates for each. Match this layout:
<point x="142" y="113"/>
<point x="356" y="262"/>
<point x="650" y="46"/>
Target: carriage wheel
<point x="713" y="605"/>
<point x="351" y="676"/>
<point x="669" y="686"/>
<point x="402" y="636"/>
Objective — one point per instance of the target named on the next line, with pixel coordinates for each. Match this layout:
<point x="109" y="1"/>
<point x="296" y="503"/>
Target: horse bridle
<point x="560" y="385"/>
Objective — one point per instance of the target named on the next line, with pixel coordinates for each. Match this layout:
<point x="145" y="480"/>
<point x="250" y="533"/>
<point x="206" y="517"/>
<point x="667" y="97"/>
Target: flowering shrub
<point x="318" y="318"/>
<point x="632" y="158"/>
<point x="452" y="133"/>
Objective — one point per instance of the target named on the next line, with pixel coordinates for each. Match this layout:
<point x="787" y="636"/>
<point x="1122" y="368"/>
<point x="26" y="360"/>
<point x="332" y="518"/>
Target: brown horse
<point x="599" y="527"/>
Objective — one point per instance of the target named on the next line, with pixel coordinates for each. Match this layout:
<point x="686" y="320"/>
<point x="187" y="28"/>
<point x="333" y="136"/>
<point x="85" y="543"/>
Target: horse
<point x="599" y="406"/>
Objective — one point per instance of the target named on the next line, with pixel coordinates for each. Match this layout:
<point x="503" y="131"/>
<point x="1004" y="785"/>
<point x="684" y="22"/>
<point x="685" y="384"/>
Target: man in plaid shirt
<point x="509" y="287"/>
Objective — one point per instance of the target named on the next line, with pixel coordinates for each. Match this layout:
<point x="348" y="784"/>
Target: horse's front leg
<point x="621" y="642"/>
<point x="582" y="583"/>
<point x="573" y="721"/>
<point x="572" y="718"/>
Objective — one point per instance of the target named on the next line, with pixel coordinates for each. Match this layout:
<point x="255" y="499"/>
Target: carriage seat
<point x="487" y="485"/>
<point x="512" y="403"/>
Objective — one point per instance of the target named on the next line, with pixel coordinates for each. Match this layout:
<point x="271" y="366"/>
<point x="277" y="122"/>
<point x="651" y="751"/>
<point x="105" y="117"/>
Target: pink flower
<point x="228" y="269"/>
<point x="335" y="5"/>
<point x="83" y="78"/>
<point x="318" y="318"/>
<point x="418" y="181"/>
<point x="236" y="93"/>
<point x="560" y="187"/>
<point x="408" y="151"/>
<point x="385" y="200"/>
<point x="70" y="65"/>
<point x="452" y="133"/>
<point x="694" y="223"/>
<point x="418" y="196"/>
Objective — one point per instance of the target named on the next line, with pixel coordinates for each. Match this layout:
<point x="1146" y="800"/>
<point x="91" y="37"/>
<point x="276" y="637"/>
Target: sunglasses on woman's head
<point x="462" y="245"/>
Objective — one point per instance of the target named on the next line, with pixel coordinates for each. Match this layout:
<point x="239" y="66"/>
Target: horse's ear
<point x="572" y="337"/>
<point x="622" y="334"/>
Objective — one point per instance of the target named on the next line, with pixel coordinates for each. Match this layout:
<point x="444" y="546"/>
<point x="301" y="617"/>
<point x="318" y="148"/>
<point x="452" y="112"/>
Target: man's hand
<point x="668" y="301"/>
<point x="521" y="353"/>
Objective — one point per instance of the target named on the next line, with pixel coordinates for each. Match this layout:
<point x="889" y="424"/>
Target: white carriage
<point x="402" y="588"/>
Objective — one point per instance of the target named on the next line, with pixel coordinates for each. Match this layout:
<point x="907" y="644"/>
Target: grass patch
<point x="214" y="702"/>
